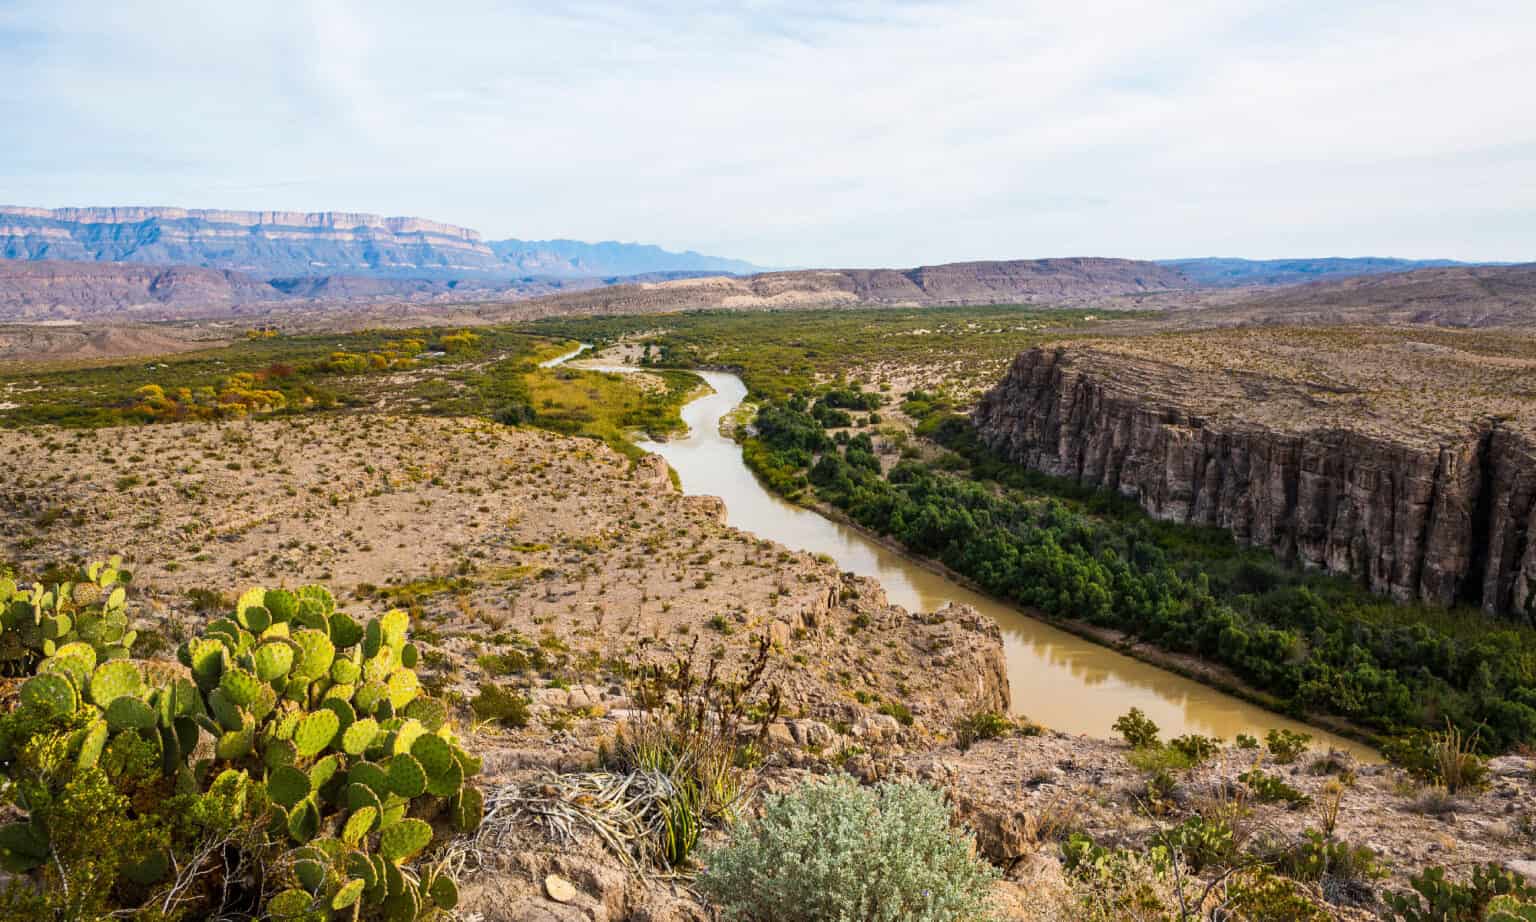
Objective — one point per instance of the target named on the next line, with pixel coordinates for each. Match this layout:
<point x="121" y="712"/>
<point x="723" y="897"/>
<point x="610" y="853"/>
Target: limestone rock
<point x="1405" y="515"/>
<point x="559" y="889"/>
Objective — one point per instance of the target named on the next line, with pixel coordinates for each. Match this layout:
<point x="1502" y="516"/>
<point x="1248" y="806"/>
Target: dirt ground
<point x="556" y="567"/>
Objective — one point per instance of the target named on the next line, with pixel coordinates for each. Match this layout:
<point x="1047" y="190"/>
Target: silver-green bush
<point x="832" y="851"/>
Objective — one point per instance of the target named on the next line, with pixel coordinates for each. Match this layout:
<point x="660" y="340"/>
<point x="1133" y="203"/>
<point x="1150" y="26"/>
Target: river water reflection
<point x="1056" y="678"/>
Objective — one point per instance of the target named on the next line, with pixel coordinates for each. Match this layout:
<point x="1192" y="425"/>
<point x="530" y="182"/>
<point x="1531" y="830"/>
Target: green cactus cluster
<point x="36" y="621"/>
<point x="1492" y="893"/>
<point x="1511" y="909"/>
<point x="317" y="718"/>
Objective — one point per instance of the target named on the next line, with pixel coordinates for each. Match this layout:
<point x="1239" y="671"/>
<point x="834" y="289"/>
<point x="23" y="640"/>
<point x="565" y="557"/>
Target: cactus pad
<point x="404" y="840"/>
<point x="360" y="866"/>
<point x="444" y="892"/>
<point x="402" y="906"/>
<point x="73" y="668"/>
<point x="273" y="659"/>
<point x="318" y="596"/>
<point x="255" y="619"/>
<point x="403" y="687"/>
<point x="323" y="771"/>
<point x="311" y="874"/>
<point x="356" y="739"/>
<point x="345" y="672"/>
<point x="279" y="752"/>
<point x="79" y="649"/>
<point x="344" y="631"/>
<point x="371" y="774"/>
<point x="315" y="732"/>
<point x="342" y="710"/>
<point x="360" y="796"/>
<point x="130" y="713"/>
<point x="448" y="783"/>
<point x="250" y="598"/>
<point x="434" y="754"/>
<point x="406" y="733"/>
<point x="236" y="744"/>
<point x="91" y="743"/>
<point x="239" y="686"/>
<point x="205" y="657"/>
<point x="368" y="696"/>
<point x="266" y="700"/>
<point x="50" y="691"/>
<point x="303" y="821"/>
<point x="347" y="894"/>
<point x="287" y="785"/>
<point x="432" y="712"/>
<point x="229" y="716"/>
<point x="406" y="776"/>
<point x="281" y="603"/>
<point x="359" y="824"/>
<point x="316" y="652"/>
<point x="114" y="680"/>
<point x="468" y="809"/>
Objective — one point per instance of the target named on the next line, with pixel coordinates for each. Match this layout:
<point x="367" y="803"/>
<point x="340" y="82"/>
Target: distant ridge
<point x="268" y="244"/>
<point x="1227" y="272"/>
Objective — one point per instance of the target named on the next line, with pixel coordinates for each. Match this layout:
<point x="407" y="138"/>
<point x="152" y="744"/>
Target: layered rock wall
<point x="262" y="242"/>
<point x="1440" y="523"/>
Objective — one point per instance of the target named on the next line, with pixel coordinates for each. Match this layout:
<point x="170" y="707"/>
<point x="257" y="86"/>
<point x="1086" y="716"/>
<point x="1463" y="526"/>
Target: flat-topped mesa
<point x="324" y="220"/>
<point x="1431" y="497"/>
<point x="262" y="243"/>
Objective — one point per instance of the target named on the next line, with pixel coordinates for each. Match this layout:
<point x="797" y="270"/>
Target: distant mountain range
<point x="1222" y="272"/>
<point x="273" y="244"/>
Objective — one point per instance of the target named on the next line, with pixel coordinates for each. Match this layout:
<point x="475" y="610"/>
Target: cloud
<point x="800" y="133"/>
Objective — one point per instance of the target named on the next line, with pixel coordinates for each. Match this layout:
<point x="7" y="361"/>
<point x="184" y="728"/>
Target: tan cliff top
<point x="1406" y="384"/>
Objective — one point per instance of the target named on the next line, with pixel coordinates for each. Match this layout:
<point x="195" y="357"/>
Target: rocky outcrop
<point x="1440" y="521"/>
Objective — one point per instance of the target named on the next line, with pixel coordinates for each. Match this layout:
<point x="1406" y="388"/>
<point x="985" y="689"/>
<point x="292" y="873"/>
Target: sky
<point x="803" y="132"/>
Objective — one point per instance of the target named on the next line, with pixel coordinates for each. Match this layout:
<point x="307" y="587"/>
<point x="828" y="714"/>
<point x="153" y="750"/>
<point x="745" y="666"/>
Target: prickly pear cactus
<point x="36" y="621"/>
<point x="315" y="716"/>
<point x="1511" y="909"/>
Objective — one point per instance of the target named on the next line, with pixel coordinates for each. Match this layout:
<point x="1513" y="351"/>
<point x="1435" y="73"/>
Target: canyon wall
<point x="1440" y="520"/>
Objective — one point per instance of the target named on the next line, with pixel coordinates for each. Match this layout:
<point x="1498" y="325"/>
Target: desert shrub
<point x="1287" y="745"/>
<point x="1320" y="857"/>
<point x="1154" y="759"/>
<point x="308" y="797"/>
<point x="1434" y="898"/>
<point x="1195" y="747"/>
<point x="493" y="702"/>
<point x="1259" y="895"/>
<point x="831" y="850"/>
<point x="1448" y="759"/>
<point x="1138" y="729"/>
<point x="693" y="730"/>
<point x="1272" y="789"/>
<point x="981" y="725"/>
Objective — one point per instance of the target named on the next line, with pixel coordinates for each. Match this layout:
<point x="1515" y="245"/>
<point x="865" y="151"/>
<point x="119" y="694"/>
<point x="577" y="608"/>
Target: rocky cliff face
<point x="1440" y="519"/>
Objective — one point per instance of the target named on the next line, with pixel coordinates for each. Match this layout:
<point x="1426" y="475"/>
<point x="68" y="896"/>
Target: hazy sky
<point x="803" y="132"/>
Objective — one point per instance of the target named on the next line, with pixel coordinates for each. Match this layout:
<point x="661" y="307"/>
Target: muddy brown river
<point x="1055" y="678"/>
